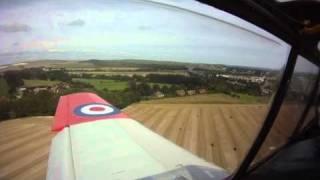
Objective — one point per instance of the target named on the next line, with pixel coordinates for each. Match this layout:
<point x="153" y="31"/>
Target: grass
<point x="217" y="98"/>
<point x="101" y="84"/>
<point x="245" y="98"/>
<point x="36" y="82"/>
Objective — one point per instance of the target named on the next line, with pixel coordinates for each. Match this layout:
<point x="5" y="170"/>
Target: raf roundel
<point x="96" y="109"/>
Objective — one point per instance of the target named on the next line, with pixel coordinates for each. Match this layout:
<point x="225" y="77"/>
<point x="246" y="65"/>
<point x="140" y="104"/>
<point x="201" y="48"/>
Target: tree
<point x="155" y="88"/>
<point x="42" y="103"/>
<point x="5" y="107"/>
<point x="13" y="79"/>
<point x="165" y="89"/>
<point x="132" y="85"/>
<point x="59" y="75"/>
<point x="4" y="88"/>
<point x="144" y="89"/>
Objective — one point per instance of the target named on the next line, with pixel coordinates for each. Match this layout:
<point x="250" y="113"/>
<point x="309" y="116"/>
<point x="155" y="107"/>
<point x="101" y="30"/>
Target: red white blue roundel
<point x="96" y="109"/>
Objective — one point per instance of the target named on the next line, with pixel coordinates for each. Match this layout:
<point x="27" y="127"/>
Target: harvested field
<point x="25" y="147"/>
<point x="218" y="133"/>
<point x="216" y="98"/>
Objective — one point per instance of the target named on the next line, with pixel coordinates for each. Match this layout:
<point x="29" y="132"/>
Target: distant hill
<point x="95" y="63"/>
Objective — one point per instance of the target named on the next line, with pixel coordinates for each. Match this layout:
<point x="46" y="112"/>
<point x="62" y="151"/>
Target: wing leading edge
<point x="114" y="146"/>
<point x="83" y="107"/>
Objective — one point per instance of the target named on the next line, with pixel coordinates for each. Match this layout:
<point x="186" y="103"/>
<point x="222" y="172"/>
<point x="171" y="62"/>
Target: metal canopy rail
<point x="272" y="19"/>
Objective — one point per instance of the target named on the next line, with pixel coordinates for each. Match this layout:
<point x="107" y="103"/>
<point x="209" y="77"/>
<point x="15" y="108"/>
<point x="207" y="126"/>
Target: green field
<point x="36" y="82"/>
<point x="101" y="84"/>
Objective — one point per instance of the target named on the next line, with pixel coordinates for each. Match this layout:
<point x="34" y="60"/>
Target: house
<point x="35" y="89"/>
<point x="180" y="92"/>
<point x="191" y="92"/>
<point x="41" y="88"/>
<point x="58" y="88"/>
<point x="20" y="92"/>
<point x="158" y="94"/>
<point x="202" y="91"/>
<point x="266" y="88"/>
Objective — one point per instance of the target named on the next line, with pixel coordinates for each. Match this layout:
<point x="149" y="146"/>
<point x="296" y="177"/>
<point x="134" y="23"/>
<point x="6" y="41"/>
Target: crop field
<point x="127" y="73"/>
<point x="35" y="83"/>
<point x="216" y="98"/>
<point x="218" y="133"/>
<point x="112" y="85"/>
<point x="117" y="69"/>
<point x="24" y="148"/>
<point x="101" y="84"/>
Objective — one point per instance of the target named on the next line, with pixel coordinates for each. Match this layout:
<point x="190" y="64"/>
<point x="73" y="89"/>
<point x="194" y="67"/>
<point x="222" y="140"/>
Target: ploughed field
<point x="24" y="147"/>
<point x="218" y="133"/>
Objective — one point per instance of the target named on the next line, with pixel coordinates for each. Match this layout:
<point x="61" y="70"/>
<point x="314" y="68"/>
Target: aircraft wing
<point x="95" y="140"/>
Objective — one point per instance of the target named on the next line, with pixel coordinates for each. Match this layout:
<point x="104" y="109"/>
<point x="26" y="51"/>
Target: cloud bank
<point x="13" y="28"/>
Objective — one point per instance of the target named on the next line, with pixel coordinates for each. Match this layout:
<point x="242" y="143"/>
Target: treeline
<point x="189" y="82"/>
<point x="15" y="78"/>
<point x="143" y="64"/>
<point x="186" y="82"/>
<point x="42" y="103"/>
<point x="207" y="80"/>
<point x="139" y="88"/>
<point x="222" y="85"/>
<point x="4" y="87"/>
<point x="102" y="76"/>
<point x="37" y="73"/>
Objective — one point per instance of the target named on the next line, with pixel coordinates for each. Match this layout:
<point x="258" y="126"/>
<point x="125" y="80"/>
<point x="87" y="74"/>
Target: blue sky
<point x="132" y="29"/>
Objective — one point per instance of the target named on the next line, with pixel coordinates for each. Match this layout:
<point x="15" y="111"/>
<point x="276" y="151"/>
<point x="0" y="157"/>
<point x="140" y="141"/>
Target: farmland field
<point x="112" y="85"/>
<point x="35" y="83"/>
<point x="217" y="98"/>
<point x="101" y="84"/>
<point x="24" y="149"/>
<point x="218" y="133"/>
<point x="127" y="73"/>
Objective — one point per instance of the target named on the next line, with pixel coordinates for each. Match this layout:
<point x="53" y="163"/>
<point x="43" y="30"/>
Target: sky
<point x="181" y="30"/>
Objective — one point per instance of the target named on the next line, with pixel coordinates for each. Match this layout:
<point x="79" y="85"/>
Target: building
<point x="180" y="92"/>
<point x="191" y="92"/>
<point x="58" y="88"/>
<point x="202" y="91"/>
<point x="41" y="88"/>
<point x="158" y="94"/>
